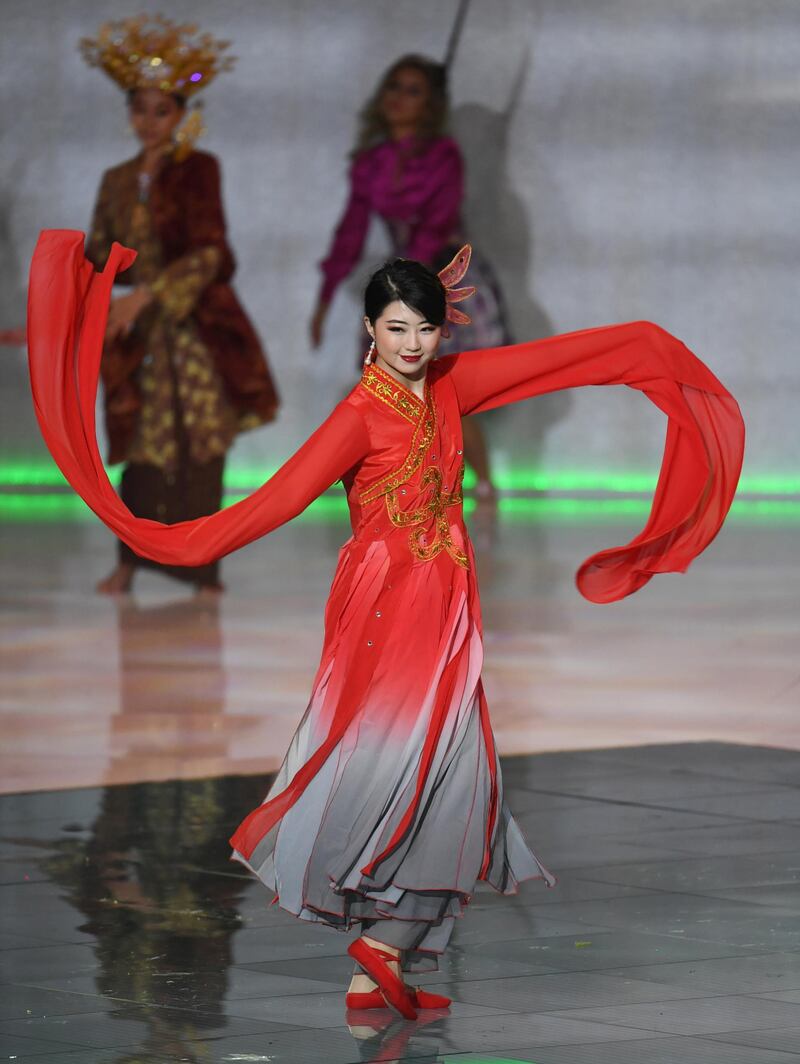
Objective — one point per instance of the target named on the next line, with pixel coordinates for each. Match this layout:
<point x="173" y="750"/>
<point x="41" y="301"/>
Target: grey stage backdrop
<point x="627" y="159"/>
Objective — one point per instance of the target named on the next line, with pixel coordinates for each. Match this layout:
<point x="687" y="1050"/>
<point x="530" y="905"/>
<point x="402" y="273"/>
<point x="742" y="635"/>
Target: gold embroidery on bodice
<point x="424" y="421"/>
<point x="430" y="518"/>
<point x="434" y="511"/>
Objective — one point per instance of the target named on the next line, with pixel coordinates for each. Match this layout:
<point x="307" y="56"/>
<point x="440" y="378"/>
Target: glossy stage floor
<point x="136" y="734"/>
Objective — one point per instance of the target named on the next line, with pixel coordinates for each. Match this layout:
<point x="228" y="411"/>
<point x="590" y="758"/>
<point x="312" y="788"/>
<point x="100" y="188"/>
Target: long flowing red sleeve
<point x="67" y="310"/>
<point x="704" y="441"/>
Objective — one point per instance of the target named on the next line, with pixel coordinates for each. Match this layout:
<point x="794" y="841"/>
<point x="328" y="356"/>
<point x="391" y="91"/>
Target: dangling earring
<point x="369" y="358"/>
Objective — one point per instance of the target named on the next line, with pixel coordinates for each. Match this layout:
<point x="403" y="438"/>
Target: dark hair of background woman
<point x="372" y="125"/>
<point x="412" y="284"/>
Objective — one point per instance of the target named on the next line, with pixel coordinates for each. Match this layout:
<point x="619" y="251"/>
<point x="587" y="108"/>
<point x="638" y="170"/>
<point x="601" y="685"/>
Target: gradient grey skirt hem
<point x="416" y="919"/>
<point x="395" y="829"/>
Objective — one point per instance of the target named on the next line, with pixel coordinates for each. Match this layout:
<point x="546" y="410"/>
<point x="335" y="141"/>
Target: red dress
<point x="389" y="804"/>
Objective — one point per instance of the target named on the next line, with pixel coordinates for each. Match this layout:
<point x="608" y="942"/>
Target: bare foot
<point x="209" y="591"/>
<point x="485" y="491"/>
<point x="118" y="582"/>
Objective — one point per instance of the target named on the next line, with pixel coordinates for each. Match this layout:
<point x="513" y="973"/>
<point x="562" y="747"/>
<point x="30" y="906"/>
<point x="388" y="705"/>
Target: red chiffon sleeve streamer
<point x="67" y="311"/>
<point x="704" y="442"/>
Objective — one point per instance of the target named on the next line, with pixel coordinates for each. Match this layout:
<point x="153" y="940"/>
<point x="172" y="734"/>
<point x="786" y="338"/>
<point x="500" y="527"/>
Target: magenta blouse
<point x="418" y="194"/>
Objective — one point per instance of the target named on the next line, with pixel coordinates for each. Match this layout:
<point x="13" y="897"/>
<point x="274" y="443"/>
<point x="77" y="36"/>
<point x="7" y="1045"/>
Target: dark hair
<point x="372" y="125"/>
<point x="411" y="283"/>
<point x="130" y="96"/>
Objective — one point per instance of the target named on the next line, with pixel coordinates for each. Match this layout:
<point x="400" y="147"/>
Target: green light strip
<point x="41" y="507"/>
<point x="44" y="474"/>
<point x="773" y="511"/>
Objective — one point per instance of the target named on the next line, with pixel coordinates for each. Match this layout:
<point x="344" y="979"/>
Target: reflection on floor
<point x="161" y="687"/>
<point x="128" y="936"/>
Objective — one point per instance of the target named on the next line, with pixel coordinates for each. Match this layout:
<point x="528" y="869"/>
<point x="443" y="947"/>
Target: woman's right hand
<point x="317" y="324"/>
<point x="124" y="311"/>
<point x="13" y="337"/>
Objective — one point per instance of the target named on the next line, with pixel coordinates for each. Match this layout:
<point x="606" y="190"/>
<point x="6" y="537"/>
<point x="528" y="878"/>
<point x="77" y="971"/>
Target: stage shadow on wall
<point x="498" y="222"/>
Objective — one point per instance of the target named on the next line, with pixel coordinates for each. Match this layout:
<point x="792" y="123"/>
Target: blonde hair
<point x="372" y="125"/>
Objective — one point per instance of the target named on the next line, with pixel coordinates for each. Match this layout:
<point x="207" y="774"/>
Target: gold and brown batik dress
<point x="192" y="374"/>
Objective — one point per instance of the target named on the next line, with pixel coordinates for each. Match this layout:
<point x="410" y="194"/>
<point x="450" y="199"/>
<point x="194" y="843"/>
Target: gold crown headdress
<point x="152" y="52"/>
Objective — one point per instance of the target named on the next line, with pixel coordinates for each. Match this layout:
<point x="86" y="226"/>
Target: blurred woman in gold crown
<point x="183" y="370"/>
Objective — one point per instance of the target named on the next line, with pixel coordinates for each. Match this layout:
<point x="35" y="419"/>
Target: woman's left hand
<point x="124" y="311"/>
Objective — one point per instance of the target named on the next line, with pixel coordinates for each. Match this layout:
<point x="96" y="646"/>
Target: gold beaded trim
<point x="424" y="432"/>
<point x="395" y="395"/>
<point x="434" y="510"/>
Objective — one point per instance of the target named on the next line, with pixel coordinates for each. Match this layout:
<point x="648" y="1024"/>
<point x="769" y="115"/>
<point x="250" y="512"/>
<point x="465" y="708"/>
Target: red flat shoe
<point x="423" y="999"/>
<point x="392" y="989"/>
<point x="420" y="998"/>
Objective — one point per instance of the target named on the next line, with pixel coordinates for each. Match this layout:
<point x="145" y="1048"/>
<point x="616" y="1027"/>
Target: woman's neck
<point x="152" y="158"/>
<point x="415" y="385"/>
<point x="402" y="132"/>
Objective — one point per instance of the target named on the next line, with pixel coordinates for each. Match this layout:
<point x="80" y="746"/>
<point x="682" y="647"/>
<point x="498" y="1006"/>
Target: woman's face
<point x="404" y="341"/>
<point x="405" y="98"/>
<point x="154" y="117"/>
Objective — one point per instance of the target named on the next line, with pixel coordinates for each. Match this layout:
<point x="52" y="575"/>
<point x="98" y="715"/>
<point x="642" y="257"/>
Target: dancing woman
<point x="389" y="808"/>
<point x="183" y="370"/>
<point x="407" y="172"/>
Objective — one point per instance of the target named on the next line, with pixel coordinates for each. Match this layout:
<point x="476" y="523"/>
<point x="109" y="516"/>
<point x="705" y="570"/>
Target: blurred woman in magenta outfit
<point x="411" y="175"/>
